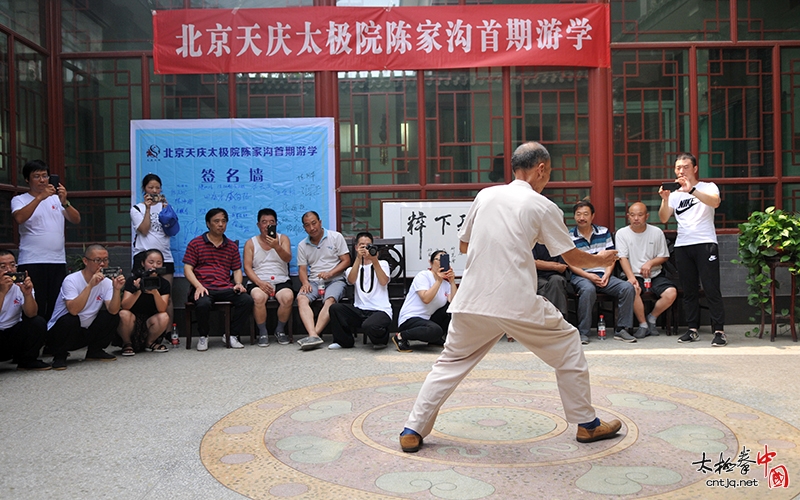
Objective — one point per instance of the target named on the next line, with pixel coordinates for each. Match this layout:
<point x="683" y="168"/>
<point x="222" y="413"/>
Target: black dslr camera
<point x="16" y="277"/>
<point x="372" y="249"/>
<point x="150" y="278"/>
<point x="112" y="272"/>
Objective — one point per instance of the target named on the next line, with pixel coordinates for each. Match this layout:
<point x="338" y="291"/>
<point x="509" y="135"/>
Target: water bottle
<point x="272" y="282"/>
<point x="647" y="284"/>
<point x="601" y="328"/>
<point x="174" y="339"/>
<point x="321" y="288"/>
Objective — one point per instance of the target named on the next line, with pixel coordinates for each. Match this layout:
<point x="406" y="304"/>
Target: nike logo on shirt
<point x="685" y="205"/>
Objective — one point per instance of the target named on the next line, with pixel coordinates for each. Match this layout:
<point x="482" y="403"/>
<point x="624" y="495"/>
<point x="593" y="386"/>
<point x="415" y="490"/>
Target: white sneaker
<point x="334" y="346"/>
<point x="263" y="341"/>
<point x="235" y="344"/>
<point x="202" y="344"/>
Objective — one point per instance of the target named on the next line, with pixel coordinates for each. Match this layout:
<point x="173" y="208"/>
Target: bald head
<point x="637" y="217"/>
<point x="529" y="155"/>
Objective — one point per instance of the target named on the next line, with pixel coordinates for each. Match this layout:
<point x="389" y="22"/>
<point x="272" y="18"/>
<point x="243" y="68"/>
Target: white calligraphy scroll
<point x="427" y="226"/>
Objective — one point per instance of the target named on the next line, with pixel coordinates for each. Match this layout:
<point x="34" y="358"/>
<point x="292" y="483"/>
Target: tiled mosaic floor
<point x="501" y="435"/>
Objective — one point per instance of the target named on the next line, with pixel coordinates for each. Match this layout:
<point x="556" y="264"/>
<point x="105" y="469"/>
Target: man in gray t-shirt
<point x="322" y="258"/>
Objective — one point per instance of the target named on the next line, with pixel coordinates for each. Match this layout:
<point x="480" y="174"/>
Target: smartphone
<point x="444" y="261"/>
<point x="670" y="186"/>
<point x="272" y="231"/>
<point x="55" y="180"/>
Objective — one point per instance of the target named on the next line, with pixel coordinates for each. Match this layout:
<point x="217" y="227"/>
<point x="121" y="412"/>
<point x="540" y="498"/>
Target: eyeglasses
<point x="98" y="261"/>
<point x="38" y="177"/>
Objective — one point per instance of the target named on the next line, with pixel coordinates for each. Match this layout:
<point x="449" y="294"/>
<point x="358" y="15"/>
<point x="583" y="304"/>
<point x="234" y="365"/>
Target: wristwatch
<point x="66" y="205"/>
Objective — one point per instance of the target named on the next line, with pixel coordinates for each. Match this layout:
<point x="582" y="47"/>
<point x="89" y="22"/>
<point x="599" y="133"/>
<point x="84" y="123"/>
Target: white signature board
<point x="427" y="225"/>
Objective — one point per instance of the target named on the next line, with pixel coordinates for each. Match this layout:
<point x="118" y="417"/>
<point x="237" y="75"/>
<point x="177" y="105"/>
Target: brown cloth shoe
<point x="605" y="430"/>
<point x="411" y="443"/>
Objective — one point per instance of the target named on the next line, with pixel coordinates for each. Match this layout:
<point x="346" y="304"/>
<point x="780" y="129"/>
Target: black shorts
<point x="278" y="286"/>
<point x="658" y="285"/>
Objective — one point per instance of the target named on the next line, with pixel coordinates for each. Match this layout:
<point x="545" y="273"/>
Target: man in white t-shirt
<point x="498" y="295"/>
<point x="696" y="249"/>
<point x="41" y="213"/>
<point x="22" y="331"/>
<point x="322" y="258"/>
<point x="372" y="310"/>
<point x="78" y="320"/>
<point x="642" y="251"/>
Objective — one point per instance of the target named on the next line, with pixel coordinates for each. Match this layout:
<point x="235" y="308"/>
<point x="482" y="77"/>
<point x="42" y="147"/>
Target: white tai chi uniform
<point x="498" y="295"/>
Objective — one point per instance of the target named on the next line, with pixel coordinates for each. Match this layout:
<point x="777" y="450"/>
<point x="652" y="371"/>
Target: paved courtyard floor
<point x="276" y="422"/>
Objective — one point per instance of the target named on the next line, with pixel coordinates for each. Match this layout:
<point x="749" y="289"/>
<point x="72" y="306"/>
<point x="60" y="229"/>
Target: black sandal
<point x="157" y="346"/>
<point x="127" y="349"/>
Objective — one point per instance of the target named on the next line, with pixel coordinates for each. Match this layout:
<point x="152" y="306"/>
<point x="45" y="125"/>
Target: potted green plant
<point x="768" y="236"/>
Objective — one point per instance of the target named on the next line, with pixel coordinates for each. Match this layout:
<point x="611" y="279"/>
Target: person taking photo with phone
<point x="40" y="214"/>
<point x="424" y="315"/>
<point x="266" y="259"/>
<point x="149" y="234"/>
<point x="696" y="248"/>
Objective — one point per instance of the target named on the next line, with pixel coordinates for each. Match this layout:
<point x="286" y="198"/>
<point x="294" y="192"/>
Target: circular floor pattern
<point x="501" y="435"/>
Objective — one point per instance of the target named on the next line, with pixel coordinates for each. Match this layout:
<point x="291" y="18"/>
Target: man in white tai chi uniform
<point x="498" y="295"/>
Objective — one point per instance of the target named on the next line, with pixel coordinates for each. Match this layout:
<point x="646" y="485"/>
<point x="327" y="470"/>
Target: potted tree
<point x="768" y="236"/>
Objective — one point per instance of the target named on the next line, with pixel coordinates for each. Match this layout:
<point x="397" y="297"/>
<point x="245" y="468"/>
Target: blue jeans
<point x="587" y="296"/>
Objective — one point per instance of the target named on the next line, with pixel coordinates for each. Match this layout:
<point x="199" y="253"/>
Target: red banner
<point x="397" y="38"/>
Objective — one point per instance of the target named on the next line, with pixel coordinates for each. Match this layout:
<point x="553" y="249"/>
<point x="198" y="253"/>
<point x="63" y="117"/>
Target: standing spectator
<point x="266" y="258"/>
<point x="41" y="213"/>
<point x="78" y="320"/>
<point x="322" y="258"/>
<point x="642" y="252"/>
<point x="592" y="239"/>
<point x="22" y="331"/>
<point x="143" y="317"/>
<point x="424" y="315"/>
<point x="372" y="310"/>
<point x="208" y="263"/>
<point x="696" y="249"/>
<point x="148" y="232"/>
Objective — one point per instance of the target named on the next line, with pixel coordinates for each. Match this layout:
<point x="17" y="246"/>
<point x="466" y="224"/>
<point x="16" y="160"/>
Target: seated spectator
<point x="552" y="273"/>
<point x="322" y="258"/>
<point x="424" y="315"/>
<point x="372" y="310"/>
<point x="266" y="256"/>
<point x="642" y="251"/>
<point x="22" y="331"/>
<point x="143" y="317"/>
<point x="78" y="320"/>
<point x="208" y="263"/>
<point x="591" y="238"/>
<point x="41" y="214"/>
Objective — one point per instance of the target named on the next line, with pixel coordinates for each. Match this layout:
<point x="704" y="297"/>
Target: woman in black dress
<point x="143" y="316"/>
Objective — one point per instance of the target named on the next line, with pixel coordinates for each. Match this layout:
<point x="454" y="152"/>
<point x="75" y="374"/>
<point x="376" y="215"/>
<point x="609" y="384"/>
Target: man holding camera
<point x="322" y="258"/>
<point x="78" y="320"/>
<point x="41" y="213"/>
<point x="372" y="310"/>
<point x="266" y="259"/>
<point x="696" y="250"/>
<point x="208" y="263"/>
<point x="22" y="331"/>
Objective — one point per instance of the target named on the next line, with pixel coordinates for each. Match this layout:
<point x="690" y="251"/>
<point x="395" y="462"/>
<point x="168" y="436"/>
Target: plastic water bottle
<point x="175" y="340"/>
<point x="321" y="288"/>
<point x="272" y="282"/>
<point x="647" y="284"/>
<point x="601" y="328"/>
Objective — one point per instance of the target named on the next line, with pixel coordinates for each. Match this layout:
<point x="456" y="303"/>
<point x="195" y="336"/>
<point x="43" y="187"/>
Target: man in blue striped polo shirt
<point x="591" y="238"/>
